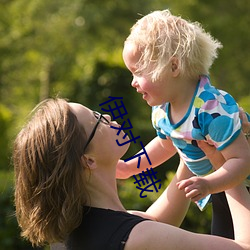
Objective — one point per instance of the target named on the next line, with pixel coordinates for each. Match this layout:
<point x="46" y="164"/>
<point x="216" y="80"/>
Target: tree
<point x="72" y="48"/>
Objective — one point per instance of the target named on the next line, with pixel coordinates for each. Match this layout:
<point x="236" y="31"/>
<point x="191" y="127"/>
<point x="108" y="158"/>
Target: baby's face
<point x="153" y="92"/>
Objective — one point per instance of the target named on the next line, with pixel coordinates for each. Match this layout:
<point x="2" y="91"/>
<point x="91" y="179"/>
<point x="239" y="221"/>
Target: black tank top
<point x="102" y="229"/>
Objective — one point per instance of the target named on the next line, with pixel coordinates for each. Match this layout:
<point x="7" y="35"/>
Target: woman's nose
<point x="108" y="117"/>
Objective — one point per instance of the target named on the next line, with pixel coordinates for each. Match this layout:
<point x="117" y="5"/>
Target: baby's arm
<point x="234" y="171"/>
<point x="158" y="151"/>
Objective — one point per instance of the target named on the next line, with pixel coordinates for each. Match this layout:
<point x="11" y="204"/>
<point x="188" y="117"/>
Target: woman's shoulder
<point x="110" y="227"/>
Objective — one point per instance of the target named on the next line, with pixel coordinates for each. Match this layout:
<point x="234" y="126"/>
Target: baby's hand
<point x="122" y="170"/>
<point x="195" y="187"/>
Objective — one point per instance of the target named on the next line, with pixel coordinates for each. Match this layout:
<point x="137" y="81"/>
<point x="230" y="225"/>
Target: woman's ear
<point x="90" y="161"/>
<point x="175" y="66"/>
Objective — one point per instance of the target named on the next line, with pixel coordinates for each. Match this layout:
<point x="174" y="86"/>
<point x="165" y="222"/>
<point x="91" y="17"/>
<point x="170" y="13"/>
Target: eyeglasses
<point x="100" y="118"/>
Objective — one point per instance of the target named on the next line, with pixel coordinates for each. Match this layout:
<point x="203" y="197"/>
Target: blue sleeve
<point x="162" y="136"/>
<point x="158" y="121"/>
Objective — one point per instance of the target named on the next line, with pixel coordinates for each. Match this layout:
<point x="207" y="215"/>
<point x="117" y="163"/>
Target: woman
<point x="65" y="189"/>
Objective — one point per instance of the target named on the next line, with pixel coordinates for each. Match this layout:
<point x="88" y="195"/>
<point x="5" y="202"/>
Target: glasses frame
<point x="100" y="118"/>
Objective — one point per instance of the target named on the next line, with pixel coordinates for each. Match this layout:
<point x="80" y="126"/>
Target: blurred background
<point x="72" y="48"/>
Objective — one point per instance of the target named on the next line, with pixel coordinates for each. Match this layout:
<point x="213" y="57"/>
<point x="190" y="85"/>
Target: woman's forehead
<point x="83" y="114"/>
<point x="78" y="108"/>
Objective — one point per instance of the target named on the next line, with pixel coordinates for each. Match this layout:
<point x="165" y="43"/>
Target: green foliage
<point x="73" y="48"/>
<point x="228" y="22"/>
<point x="5" y="124"/>
<point x="245" y="103"/>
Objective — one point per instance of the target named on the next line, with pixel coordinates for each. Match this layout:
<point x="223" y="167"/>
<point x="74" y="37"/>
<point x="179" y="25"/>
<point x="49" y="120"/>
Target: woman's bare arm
<point x="160" y="236"/>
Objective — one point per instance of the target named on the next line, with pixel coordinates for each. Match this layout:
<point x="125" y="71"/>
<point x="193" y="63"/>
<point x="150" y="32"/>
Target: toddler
<point x="170" y="59"/>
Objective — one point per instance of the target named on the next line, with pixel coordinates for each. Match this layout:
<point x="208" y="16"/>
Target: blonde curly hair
<point x="161" y="36"/>
<point x="49" y="181"/>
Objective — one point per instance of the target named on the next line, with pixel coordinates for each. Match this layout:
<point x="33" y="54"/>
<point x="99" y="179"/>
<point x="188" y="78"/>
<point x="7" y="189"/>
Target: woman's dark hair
<point x="49" y="180"/>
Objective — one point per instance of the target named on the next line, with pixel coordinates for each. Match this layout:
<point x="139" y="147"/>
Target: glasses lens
<point x="97" y="115"/>
<point x="100" y="117"/>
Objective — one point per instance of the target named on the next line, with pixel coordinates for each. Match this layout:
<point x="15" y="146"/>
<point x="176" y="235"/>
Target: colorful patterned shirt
<point x="213" y="115"/>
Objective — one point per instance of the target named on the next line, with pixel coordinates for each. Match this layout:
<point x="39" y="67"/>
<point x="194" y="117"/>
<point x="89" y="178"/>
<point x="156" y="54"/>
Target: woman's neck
<point x="102" y="189"/>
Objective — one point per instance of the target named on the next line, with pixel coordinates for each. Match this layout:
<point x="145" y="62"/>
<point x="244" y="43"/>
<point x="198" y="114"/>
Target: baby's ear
<point x="175" y="66"/>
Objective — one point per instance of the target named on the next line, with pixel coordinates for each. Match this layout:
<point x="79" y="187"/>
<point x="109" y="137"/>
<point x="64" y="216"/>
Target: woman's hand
<point x="245" y="124"/>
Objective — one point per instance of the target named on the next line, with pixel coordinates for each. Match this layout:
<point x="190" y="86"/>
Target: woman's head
<point x="49" y="186"/>
<point x="161" y="36"/>
<point x="102" y="136"/>
<point x="53" y="157"/>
